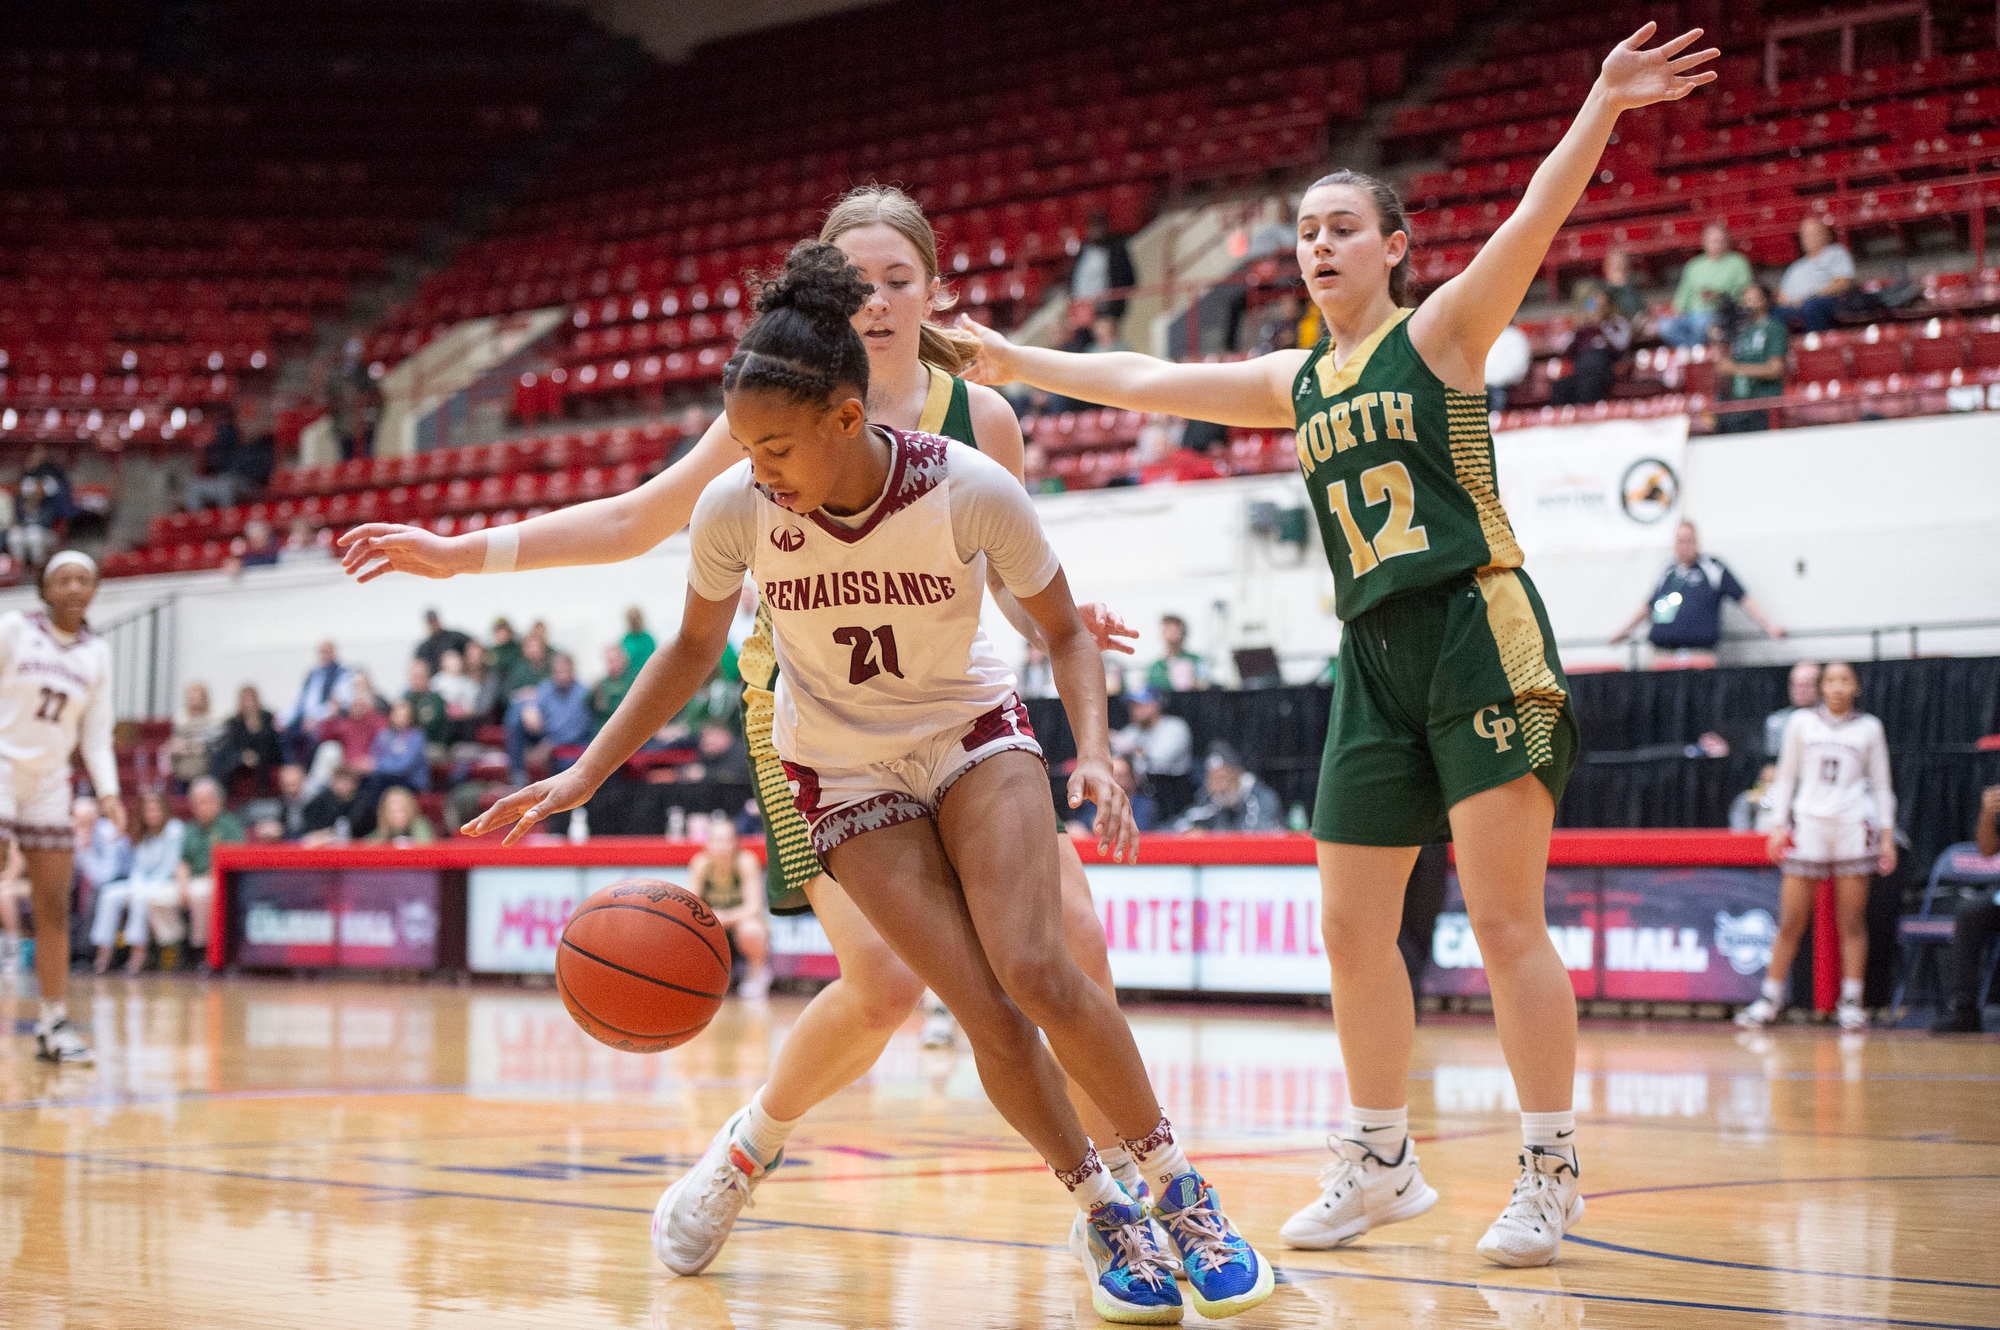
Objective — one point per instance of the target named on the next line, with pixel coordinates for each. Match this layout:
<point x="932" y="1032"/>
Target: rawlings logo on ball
<point x="659" y="891"/>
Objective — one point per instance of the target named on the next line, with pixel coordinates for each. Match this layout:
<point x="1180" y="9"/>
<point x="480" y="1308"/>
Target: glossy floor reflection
<point x="262" y="1153"/>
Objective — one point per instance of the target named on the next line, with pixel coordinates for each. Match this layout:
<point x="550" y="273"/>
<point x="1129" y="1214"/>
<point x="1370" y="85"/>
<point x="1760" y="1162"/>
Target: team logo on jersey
<point x="1746" y="939"/>
<point x="1649" y="490"/>
<point x="790" y="539"/>
<point x="1500" y="729"/>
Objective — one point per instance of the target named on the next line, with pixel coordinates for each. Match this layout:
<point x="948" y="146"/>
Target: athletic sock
<point x="1118" y="1162"/>
<point x="1850" y="991"/>
<point x="52" y="1014"/>
<point x="762" y="1135"/>
<point x="1774" y="992"/>
<point x="1382" y="1130"/>
<point x="1159" y="1157"/>
<point x="1552" y="1133"/>
<point x="1090" y="1184"/>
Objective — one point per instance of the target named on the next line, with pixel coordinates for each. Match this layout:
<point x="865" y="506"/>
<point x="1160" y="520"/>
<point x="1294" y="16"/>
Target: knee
<point x="1351" y="943"/>
<point x="885" y="992"/>
<point x="1507" y="939"/>
<point x="1044" y="986"/>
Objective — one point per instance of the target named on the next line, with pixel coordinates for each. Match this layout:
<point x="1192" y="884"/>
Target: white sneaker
<point x="694" y="1216"/>
<point x="1758" y="1014"/>
<point x="940" y="1029"/>
<point x="1547" y="1201"/>
<point x="61" y="1043"/>
<point x="1359" y="1191"/>
<point x="1851" y="1015"/>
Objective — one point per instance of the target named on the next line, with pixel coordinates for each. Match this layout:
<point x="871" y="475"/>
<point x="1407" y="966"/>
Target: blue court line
<point x="1793" y="1182"/>
<point x="1772" y="1269"/>
<point x="390" y="1191"/>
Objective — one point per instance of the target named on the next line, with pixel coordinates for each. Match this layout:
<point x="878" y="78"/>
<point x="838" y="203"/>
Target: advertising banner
<point x="1570" y="897"/>
<point x="330" y="918"/>
<point x="515" y="917"/>
<point x="287" y="917"/>
<point x="1688" y="934"/>
<point x="1257" y="930"/>
<point x="1608" y="485"/>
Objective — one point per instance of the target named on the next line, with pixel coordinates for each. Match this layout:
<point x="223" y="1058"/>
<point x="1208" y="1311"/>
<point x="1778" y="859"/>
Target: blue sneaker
<point x="1129" y="1285"/>
<point x="1224" y="1274"/>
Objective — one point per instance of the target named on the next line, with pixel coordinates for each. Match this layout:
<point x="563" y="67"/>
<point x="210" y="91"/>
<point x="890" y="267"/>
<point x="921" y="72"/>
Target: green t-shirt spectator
<point x="1754" y="344"/>
<point x="1160" y="677"/>
<point x="197" y="840"/>
<point x="432" y="716"/>
<point x="526" y="674"/>
<point x="638" y="648"/>
<point x="1726" y="276"/>
<point x="502" y="657"/>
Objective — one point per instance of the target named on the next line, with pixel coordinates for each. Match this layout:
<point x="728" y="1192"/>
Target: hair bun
<point x="818" y="282"/>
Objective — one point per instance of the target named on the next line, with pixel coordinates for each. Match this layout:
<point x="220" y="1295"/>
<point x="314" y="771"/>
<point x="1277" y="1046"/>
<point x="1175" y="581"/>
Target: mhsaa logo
<point x="788" y="538"/>
<point x="1746" y="939"/>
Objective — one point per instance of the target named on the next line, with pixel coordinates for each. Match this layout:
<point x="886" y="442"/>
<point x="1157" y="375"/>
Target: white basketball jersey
<point x="46" y="691"/>
<point x="876" y="627"/>
<point x="1834" y="768"/>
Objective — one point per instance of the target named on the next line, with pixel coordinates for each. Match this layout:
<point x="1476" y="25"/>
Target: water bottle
<point x="677" y="822"/>
<point x="579" y="826"/>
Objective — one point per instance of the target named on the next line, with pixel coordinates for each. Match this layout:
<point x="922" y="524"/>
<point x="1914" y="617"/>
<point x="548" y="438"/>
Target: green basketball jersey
<point x="948" y="409"/>
<point x="1400" y="469"/>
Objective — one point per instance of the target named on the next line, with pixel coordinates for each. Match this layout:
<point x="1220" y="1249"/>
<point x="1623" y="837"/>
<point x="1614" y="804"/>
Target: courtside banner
<point x="324" y="919"/>
<point x="515" y="916"/>
<point x="1605" y="486"/>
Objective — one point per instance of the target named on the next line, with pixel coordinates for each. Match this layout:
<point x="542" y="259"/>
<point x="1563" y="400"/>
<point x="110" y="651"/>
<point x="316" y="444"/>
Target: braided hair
<point x="802" y="342"/>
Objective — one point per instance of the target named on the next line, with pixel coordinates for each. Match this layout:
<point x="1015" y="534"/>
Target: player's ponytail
<point x="946" y="348"/>
<point x="1389" y="213"/>
<point x="802" y="342"/>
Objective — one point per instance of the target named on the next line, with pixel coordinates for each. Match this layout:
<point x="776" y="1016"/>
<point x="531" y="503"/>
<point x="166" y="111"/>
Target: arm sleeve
<point x="94" y="737"/>
<point x="721" y="534"/>
<point x="1730" y="588"/>
<point x="1878" y="779"/>
<point x="991" y="513"/>
<point x="1787" y="783"/>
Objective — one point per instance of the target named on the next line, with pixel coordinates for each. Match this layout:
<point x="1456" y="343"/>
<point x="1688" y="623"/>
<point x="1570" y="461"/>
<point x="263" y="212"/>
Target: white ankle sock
<point x="1091" y="1184"/>
<point x="1118" y="1162"/>
<point x="52" y="1013"/>
<point x="1382" y="1130"/>
<point x="1554" y="1133"/>
<point x="1159" y="1157"/>
<point x="1850" y="991"/>
<point x="761" y="1134"/>
<point x="1774" y="992"/>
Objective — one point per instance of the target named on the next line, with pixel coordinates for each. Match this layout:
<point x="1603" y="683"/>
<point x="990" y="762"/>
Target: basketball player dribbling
<point x="1451" y="716"/>
<point x="906" y="744"/>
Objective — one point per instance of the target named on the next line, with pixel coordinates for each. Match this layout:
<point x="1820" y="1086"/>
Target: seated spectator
<point x="611" y="689"/>
<point x="1103" y="263"/>
<point x="1686" y="606"/>
<point x="731" y="881"/>
<point x="104" y="861"/>
<point x="282" y="817"/>
<point x="1754" y="366"/>
<point x="14" y="889"/>
<point x="1710" y="281"/>
<point x="249" y="744"/>
<point x="438" y="639"/>
<point x="1104" y="333"/>
<point x="1161" y="750"/>
<point x="1811" y="292"/>
<point x="306" y="544"/>
<point x="492" y="702"/>
<point x="156" y="899"/>
<point x="1233" y="799"/>
<point x="1748" y="811"/>
<point x="1508" y="361"/>
<point x="459" y="690"/>
<point x="1625" y="294"/>
<point x="336" y="813"/>
<point x="216" y="483"/>
<point x="321" y="696"/>
<point x="555" y="714"/>
<point x="1145" y="812"/>
<point x="1179" y="670"/>
<point x="1976" y="925"/>
<point x="195" y="732"/>
<point x="398" y="820"/>
<point x="396" y="756"/>
<point x="637" y="643"/>
<point x="721" y="758"/>
<point x="1802" y="687"/>
<point x="1600" y="338"/>
<point x="428" y="710"/>
<point x="347" y="739"/>
<point x="505" y="653"/>
<point x="210" y="825"/>
<point x="531" y="669"/>
<point x="260" y="545"/>
<point x="43" y="510"/>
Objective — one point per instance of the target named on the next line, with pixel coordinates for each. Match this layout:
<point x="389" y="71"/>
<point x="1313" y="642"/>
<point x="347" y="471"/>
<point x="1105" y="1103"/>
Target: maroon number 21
<point x="861" y="669"/>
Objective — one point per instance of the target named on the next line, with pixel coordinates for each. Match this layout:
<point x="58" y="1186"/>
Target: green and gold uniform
<point x="789" y="860"/>
<point x="1449" y="682"/>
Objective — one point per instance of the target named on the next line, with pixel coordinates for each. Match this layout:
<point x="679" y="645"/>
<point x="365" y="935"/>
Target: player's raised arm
<point x="1458" y="324"/>
<point x="1254" y="394"/>
<point x="607" y="530"/>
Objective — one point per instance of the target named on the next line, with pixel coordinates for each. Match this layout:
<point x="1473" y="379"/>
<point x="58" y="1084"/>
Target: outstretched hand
<point x="1105" y="625"/>
<point x="1634" y="77"/>
<point x="1116" y="831"/>
<point x="991" y="366"/>
<point x="376" y="548"/>
<point x="525" y="807"/>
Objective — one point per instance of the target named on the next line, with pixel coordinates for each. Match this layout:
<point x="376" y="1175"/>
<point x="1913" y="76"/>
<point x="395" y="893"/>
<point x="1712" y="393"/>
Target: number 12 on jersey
<point x="1388" y="483"/>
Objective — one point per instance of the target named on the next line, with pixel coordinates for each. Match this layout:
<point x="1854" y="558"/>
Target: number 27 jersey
<point x="1400" y="471"/>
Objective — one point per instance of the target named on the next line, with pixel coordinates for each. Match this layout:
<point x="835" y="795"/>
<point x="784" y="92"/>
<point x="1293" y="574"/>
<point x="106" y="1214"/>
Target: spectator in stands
<point x="1278" y="326"/>
<point x="210" y="825"/>
<point x="104" y="861"/>
<point x="505" y="653"/>
<point x="216" y="484"/>
<point x="321" y="696"/>
<point x="1754" y="365"/>
<point x="492" y="701"/>
<point x="611" y="689"/>
<point x="1686" y="606"/>
<point x="1710" y="281"/>
<point x="428" y="708"/>
<point x="1103" y="264"/>
<point x="156" y="857"/>
<point x="1037" y="677"/>
<point x="1973" y="930"/>
<point x="396" y="755"/>
<point x="399" y="821"/>
<point x="337" y="813"/>
<point x="1802" y="688"/>
<point x="1161" y="748"/>
<point x="1507" y="366"/>
<point x="1625" y="293"/>
<point x="282" y="817"/>
<point x="556" y="714"/>
<point x="459" y="690"/>
<point x="43" y="509"/>
<point x="1600" y="338"/>
<point x="721" y="758"/>
<point x="260" y="545"/>
<point x="1750" y="810"/>
<point x="1104" y="333"/>
<point x="1233" y="799"/>
<point x="530" y="669"/>
<point x="731" y="882"/>
<point x="305" y="544"/>
<point x="638" y="644"/>
<point x="1179" y="670"/>
<point x="438" y="639"/>
<point x="195" y="733"/>
<point x="346" y="739"/>
<point x="249" y="743"/>
<point x="1810" y="293"/>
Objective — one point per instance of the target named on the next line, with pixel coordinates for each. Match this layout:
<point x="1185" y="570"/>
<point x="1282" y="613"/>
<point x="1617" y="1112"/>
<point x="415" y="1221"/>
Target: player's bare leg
<point x="51" y="873"/>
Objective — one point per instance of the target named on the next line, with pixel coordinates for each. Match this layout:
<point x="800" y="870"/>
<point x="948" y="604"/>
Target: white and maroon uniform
<point x="1833" y="792"/>
<point x="887" y="689"/>
<point x="54" y="698"/>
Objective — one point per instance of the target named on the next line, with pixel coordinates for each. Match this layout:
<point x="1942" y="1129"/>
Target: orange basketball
<point x="643" y="965"/>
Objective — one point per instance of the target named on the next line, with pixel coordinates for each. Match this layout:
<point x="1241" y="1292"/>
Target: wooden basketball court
<point x="267" y="1153"/>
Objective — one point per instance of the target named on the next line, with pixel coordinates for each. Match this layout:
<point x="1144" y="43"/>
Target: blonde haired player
<point x="1451" y="717"/>
<point x="55" y="699"/>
